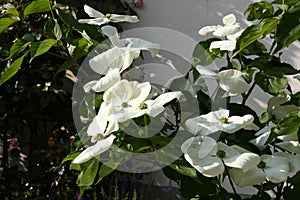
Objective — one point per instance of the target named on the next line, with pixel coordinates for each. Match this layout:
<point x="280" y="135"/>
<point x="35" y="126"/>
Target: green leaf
<point x="52" y="29"/>
<point x="37" y="6"/>
<point x="6" y="22"/>
<point x="105" y="170"/>
<point x="68" y="17"/>
<point x="10" y="12"/>
<point x="271" y="84"/>
<point x="11" y="70"/>
<point x="88" y="174"/>
<point x="42" y="48"/>
<point x="290" y="124"/>
<point x="288" y="28"/>
<point x="259" y="10"/>
<point x="255" y="32"/>
<point x="286" y="2"/>
<point x="18" y="46"/>
<point x="69" y="157"/>
<point x="202" y="55"/>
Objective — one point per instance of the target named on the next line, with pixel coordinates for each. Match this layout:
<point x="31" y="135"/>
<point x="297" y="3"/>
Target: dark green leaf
<point x="88" y="174"/>
<point x="71" y="156"/>
<point x="6" y="22"/>
<point x="288" y="28"/>
<point x="42" y="48"/>
<point x="105" y="170"/>
<point x="68" y="17"/>
<point x="290" y="124"/>
<point x="271" y="84"/>
<point x="52" y="29"/>
<point x="37" y="6"/>
<point x="202" y="55"/>
<point x="286" y="2"/>
<point x="255" y="32"/>
<point x="259" y="10"/>
<point x="18" y="46"/>
<point x="12" y="69"/>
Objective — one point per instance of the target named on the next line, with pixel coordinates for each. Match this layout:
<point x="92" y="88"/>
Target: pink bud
<point x="13" y="143"/>
<point x="138" y="3"/>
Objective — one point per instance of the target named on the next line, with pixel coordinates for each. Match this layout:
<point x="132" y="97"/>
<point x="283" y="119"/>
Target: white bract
<point x="219" y="121"/>
<point x="100" y="18"/>
<point x="231" y="30"/>
<point x="209" y="157"/>
<point x="129" y="100"/>
<point x="100" y="129"/>
<point x="120" y="57"/>
<point x="262" y="137"/>
<point x="226" y="45"/>
<point x="271" y="168"/>
<point x="230" y="80"/>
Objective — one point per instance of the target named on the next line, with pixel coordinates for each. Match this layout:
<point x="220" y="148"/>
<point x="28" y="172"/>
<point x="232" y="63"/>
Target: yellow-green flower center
<point x="108" y="15"/>
<point x="221" y="154"/>
<point x="124" y="105"/>
<point x="224" y="120"/>
<point x="143" y="106"/>
<point x="261" y="165"/>
<point x="97" y="137"/>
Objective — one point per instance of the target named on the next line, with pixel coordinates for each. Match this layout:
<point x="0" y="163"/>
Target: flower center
<point x="143" y="106"/>
<point x="261" y="165"/>
<point x="124" y="105"/>
<point x="108" y="15"/>
<point x="97" y="137"/>
<point x="224" y="120"/>
<point x="221" y="154"/>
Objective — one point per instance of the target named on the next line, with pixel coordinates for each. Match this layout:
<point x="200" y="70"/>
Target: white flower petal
<point x="205" y="71"/>
<point x="235" y="36"/>
<point x="208" y="146"/>
<point x="200" y="125"/>
<point x="209" y="166"/>
<point x="110" y="79"/>
<point x="207" y="29"/>
<point x="112" y="33"/>
<point x="225" y="45"/>
<point x="88" y="86"/>
<point x="232" y="81"/>
<point x="277" y="168"/>
<point x="262" y="138"/>
<point x="165" y="98"/>
<point x="139" y="93"/>
<point x="140" y="44"/>
<point x="98" y="21"/>
<point x="123" y="18"/>
<point x="112" y="58"/>
<point x="292" y="146"/>
<point x="251" y="177"/>
<point x="92" y="12"/>
<point x="229" y="20"/>
<point x="236" y="123"/>
<point x="294" y="162"/>
<point x="227" y="30"/>
<point x="92" y="151"/>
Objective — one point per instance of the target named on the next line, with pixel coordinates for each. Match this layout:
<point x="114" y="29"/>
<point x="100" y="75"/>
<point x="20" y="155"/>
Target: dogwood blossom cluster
<point x="276" y="157"/>
<point x="230" y="30"/>
<point x="122" y="99"/>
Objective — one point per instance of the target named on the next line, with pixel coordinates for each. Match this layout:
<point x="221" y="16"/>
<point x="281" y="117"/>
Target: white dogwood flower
<point x="100" y="131"/>
<point x="230" y="80"/>
<point x="100" y="18"/>
<point x="111" y="78"/>
<point x="209" y="157"/>
<point x="230" y="27"/>
<point x="219" y="121"/>
<point x="129" y="100"/>
<point x="226" y="45"/>
<point x="271" y="168"/>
